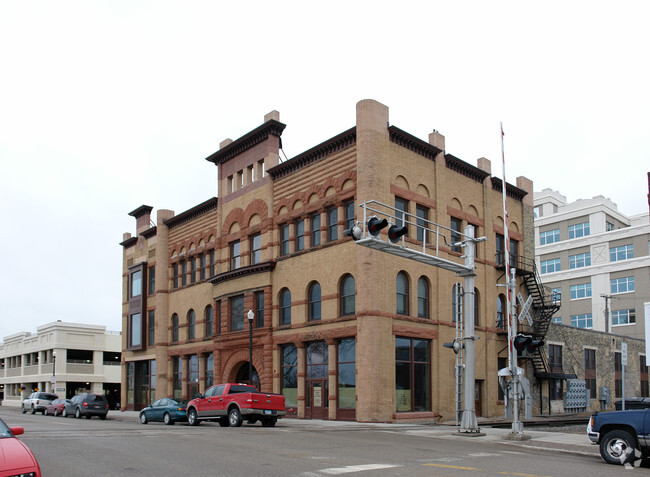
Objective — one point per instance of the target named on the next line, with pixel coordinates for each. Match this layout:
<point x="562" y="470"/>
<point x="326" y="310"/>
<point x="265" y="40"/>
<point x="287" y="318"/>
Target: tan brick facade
<point x="260" y="195"/>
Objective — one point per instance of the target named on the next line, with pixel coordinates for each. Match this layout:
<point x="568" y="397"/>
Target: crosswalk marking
<point x="348" y="469"/>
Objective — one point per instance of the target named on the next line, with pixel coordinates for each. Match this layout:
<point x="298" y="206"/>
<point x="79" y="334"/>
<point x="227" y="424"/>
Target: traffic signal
<point x="522" y="341"/>
<point x="354" y="232"/>
<point x="375" y="225"/>
<point x="454" y="345"/>
<point x="395" y="232"/>
<point x="534" y="344"/>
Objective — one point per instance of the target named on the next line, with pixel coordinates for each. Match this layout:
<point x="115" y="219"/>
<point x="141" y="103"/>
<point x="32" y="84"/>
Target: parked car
<point x="37" y="401"/>
<point x="229" y="404"/>
<point x="623" y="436"/>
<point x="15" y="457"/>
<point x="56" y="407"/>
<point x="167" y="410"/>
<point x="88" y="405"/>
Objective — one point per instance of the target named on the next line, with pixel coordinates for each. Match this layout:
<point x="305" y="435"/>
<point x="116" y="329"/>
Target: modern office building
<point x="596" y="260"/>
<point x="344" y="331"/>
<point x="61" y="357"/>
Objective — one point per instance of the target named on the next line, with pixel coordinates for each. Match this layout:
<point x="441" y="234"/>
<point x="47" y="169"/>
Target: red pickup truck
<point x="229" y="404"/>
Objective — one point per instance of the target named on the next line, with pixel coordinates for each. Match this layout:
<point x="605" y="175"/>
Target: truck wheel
<point x="234" y="417"/>
<point x="223" y="422"/>
<point x="23" y="408"/>
<point x="617" y="447"/>
<point x="192" y="418"/>
<point x="33" y="411"/>
<point x="269" y="422"/>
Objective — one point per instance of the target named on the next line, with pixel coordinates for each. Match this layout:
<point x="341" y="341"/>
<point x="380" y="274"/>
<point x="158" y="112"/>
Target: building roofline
<point x="192" y="213"/>
<point x="248" y="140"/>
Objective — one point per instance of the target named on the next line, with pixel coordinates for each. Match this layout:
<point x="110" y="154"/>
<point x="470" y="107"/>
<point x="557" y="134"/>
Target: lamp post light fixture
<point x="251" y="317"/>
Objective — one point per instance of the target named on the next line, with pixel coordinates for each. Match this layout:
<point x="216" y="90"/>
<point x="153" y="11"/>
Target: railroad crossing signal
<point x="525" y="307"/>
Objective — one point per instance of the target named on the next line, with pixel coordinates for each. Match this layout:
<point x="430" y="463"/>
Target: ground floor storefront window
<point x="290" y="376"/>
<point x="141" y="383"/>
<point x="412" y="374"/>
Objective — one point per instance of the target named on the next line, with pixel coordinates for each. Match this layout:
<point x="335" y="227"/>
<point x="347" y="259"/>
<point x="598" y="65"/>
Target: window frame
<point x="423" y="298"/>
<point x="255" y="248"/>
<point x="402" y="294"/>
<point x="347" y="300"/>
<point x="332" y="224"/>
<point x="314" y="229"/>
<point x="285" y="307"/>
<point x="236" y="311"/>
<point x="314" y="303"/>
<point x="235" y="254"/>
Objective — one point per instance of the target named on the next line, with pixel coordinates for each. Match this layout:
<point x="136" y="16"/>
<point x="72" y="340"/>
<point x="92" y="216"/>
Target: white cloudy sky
<point x="108" y="105"/>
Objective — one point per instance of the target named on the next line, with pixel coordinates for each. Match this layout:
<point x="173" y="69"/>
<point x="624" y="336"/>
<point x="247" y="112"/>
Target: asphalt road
<point x="118" y="447"/>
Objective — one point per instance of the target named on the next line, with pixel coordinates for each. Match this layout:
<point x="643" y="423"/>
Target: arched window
<point x="174" y="328"/>
<point x="423" y="297"/>
<point x="285" y="307"/>
<point x="191" y="325"/>
<point x="347" y="292"/>
<point x="476" y="307"/>
<point x="501" y="311"/>
<point x="209" y="321"/>
<point x="314" y="302"/>
<point x="402" y="294"/>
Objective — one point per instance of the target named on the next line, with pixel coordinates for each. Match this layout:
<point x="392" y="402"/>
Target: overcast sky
<point x="108" y="105"/>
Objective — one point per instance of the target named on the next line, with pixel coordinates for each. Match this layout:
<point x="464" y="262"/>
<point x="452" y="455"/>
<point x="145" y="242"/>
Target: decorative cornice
<point x="412" y="143"/>
<point x="468" y="170"/>
<point x="130" y="242"/>
<point x="243" y="271"/>
<point x="150" y="232"/>
<point x="511" y="191"/>
<point x="192" y="213"/>
<point x="338" y="143"/>
<point x="143" y="209"/>
<point x="257" y="135"/>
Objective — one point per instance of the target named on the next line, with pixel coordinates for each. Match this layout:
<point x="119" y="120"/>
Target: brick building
<point x="343" y="331"/>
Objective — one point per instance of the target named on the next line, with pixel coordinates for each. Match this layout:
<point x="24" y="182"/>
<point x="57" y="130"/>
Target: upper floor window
<point x="174" y="328"/>
<point x="315" y="229"/>
<point x="556" y="294"/>
<point x="621" y="253"/>
<point x="314" y="298"/>
<point x="349" y="214"/>
<point x="184" y="273"/>
<point x="582" y="321"/>
<point x="259" y="308"/>
<point x="423" y="297"/>
<point x="550" y="266"/>
<point x="557" y="320"/>
<point x="500" y="249"/>
<point x="151" y="274"/>
<point x="402" y="294"/>
<point x="514" y="252"/>
<point x="332" y="224"/>
<point x="622" y="285"/>
<point x="236" y="313"/>
<point x="579" y="230"/>
<point x="501" y="311"/>
<point x="136" y="283"/>
<point x="191" y="325"/>
<point x="402" y="207"/>
<point x="348" y="292"/>
<point x="300" y="235"/>
<point x="193" y="270"/>
<point x="235" y="255"/>
<point x="623" y="317"/>
<point x="151" y="332"/>
<point x="582" y="290"/>
<point x="203" y="266"/>
<point x="422" y="214"/>
<point x="209" y="321"/>
<point x="456" y="226"/>
<point x="580" y="260"/>
<point x="256" y="249"/>
<point x="609" y="226"/>
<point x="212" y="263"/>
<point x="135" y="331"/>
<point x="175" y="267"/>
<point x="285" y="307"/>
<point x="284" y="239"/>
<point x="550" y="236"/>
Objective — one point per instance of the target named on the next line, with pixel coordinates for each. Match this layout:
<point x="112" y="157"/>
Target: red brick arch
<point x="259" y="207"/>
<point x="232" y="362"/>
<point x="235" y="216"/>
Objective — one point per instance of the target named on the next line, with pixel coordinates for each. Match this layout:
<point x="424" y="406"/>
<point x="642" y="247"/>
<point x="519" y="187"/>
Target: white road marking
<point x="348" y="469"/>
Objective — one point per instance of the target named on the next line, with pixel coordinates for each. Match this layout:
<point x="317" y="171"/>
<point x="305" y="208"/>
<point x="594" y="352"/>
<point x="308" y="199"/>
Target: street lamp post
<point x="251" y="317"/>
<point x="53" y="371"/>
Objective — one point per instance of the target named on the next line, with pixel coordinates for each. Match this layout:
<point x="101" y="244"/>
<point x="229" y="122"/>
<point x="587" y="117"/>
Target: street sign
<point x="53" y="380"/>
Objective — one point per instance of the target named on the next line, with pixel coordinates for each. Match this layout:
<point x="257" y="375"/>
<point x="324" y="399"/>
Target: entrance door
<point x="477" y="398"/>
<point x="317" y="399"/>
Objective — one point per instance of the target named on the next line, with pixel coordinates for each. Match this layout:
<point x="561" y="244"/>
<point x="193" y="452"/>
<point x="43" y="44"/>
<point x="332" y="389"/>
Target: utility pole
<point x="607" y="308"/>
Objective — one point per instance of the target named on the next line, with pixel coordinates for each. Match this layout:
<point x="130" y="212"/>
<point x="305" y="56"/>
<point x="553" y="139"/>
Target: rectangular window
<point x="580" y="260"/>
<point x="412" y="375"/>
<point x="514" y="252"/>
<point x="579" y="230"/>
<point x="422" y="214"/>
<point x="456" y="226"/>
<point x="256" y="249"/>
<point x="135" y="328"/>
<point x="550" y="236"/>
<point x="347" y="383"/>
<point x="193" y="270"/>
<point x="550" y="266"/>
<point x="556" y="295"/>
<point x="623" y="317"/>
<point x="212" y="263"/>
<point x="235" y="255"/>
<point x="609" y="226"/>
<point x="151" y="328"/>
<point x="151" y="274"/>
<point x="184" y="273"/>
<point x="349" y="214"/>
<point x="289" y="375"/>
<point x="237" y="313"/>
<point x="136" y="283"/>
<point x="582" y="321"/>
<point x="315" y="230"/>
<point x="203" y="266"/>
<point x="622" y="285"/>
<point x="557" y="320"/>
<point x="259" y="309"/>
<point x="177" y="377"/>
<point x="209" y="370"/>
<point x="581" y="291"/>
<point x="556" y="390"/>
<point x="590" y="372"/>
<point x="500" y="250"/>
<point x="332" y="224"/>
<point x="175" y="266"/>
<point x="300" y="235"/>
<point x="401" y="208"/>
<point x="284" y="239"/>
<point x="621" y="253"/>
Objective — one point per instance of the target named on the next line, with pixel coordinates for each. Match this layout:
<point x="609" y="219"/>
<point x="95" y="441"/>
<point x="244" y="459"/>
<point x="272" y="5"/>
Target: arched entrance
<point x="242" y="376"/>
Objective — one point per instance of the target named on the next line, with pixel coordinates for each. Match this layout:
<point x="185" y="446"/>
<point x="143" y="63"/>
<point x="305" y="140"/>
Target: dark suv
<point x="37" y="401"/>
<point x="86" y="404"/>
